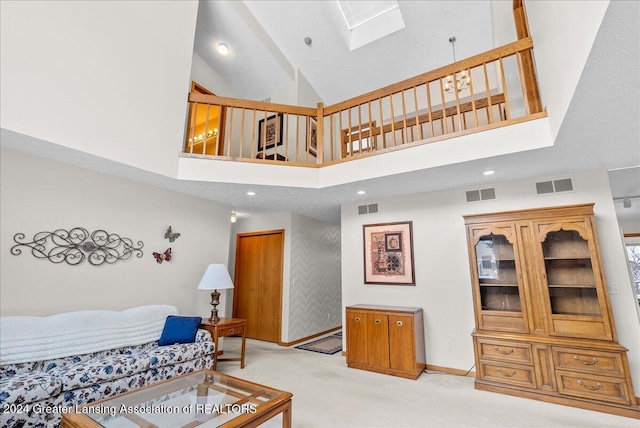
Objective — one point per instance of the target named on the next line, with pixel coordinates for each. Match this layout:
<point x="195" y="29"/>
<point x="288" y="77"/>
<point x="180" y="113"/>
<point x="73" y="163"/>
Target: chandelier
<point x="458" y="81"/>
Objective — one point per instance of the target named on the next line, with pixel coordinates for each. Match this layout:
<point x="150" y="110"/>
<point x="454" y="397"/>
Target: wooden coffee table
<point x="203" y="398"/>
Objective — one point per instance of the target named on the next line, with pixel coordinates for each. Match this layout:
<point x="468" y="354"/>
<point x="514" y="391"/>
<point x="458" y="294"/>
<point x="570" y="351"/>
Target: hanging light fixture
<point x="460" y="80"/>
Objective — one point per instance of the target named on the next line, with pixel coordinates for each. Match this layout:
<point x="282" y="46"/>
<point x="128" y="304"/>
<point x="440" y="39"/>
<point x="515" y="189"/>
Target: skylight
<point x="356" y="13"/>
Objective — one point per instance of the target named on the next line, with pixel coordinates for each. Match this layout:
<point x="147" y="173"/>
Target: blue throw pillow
<point x="179" y="329"/>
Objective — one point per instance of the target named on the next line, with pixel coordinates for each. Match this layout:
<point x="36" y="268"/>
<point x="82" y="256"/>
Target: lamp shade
<point x="216" y="277"/>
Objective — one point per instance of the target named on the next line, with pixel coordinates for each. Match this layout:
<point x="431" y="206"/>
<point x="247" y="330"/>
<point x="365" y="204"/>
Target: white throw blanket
<point x="26" y="338"/>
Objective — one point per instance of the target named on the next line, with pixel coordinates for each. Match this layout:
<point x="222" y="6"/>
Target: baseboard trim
<point x="450" y="370"/>
<point x="304" y="339"/>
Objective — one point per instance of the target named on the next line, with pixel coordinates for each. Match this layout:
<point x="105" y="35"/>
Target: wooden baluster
<point x="350" y="132"/>
<point x="297" y="137"/>
<point x="443" y="121"/>
<point x="415" y="102"/>
<point x="331" y="142"/>
<point x="488" y="93"/>
<point x="370" y="131"/>
<point x="404" y="135"/>
<point x="473" y="102"/>
<point x="206" y="131"/>
<point x="457" y="96"/>
<point x="193" y="126"/>
<point x="360" y="129"/>
<point x="253" y="132"/>
<point x="393" y="120"/>
<point x="384" y="138"/>
<point x="428" y="88"/>
<point x="285" y="132"/>
<point x="241" y="133"/>
<point x="343" y="141"/>
<point x="504" y="88"/>
<point x="320" y="134"/>
<point x="523" y="85"/>
<point x="230" y="131"/>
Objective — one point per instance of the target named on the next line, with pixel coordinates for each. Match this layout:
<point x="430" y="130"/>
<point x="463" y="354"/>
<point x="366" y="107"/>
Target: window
<point x="633" y="255"/>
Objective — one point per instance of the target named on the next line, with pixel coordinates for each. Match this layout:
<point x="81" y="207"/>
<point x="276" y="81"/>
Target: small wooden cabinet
<point x="544" y="327"/>
<point x="386" y="339"/>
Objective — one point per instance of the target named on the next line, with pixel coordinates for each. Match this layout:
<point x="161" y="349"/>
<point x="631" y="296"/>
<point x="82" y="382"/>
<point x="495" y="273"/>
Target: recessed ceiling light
<point x="361" y="192"/>
<point x="251" y="193"/>
<point x="489" y="172"/>
<point x="223" y="49"/>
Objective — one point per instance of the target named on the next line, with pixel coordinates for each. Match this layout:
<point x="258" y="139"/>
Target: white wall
<point x="202" y="73"/>
<point x="563" y="32"/>
<point x="105" y="77"/>
<point x="43" y="195"/>
<point x="443" y="282"/>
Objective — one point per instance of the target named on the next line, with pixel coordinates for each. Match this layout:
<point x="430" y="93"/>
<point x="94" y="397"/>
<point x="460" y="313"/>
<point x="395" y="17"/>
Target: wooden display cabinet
<point x="544" y="327"/>
<point x="386" y="339"/>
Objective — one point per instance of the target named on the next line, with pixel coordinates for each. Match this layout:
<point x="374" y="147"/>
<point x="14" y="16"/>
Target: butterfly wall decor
<point x="170" y="235"/>
<point x="160" y="257"/>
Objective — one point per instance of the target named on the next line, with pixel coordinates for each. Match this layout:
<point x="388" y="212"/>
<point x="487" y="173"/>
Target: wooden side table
<point x="224" y="328"/>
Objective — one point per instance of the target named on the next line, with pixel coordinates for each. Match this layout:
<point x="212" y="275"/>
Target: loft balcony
<point x="489" y="91"/>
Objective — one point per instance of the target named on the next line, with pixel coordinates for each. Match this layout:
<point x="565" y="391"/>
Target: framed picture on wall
<point x="388" y="253"/>
<point x="270" y="134"/>
<point x="312" y="136"/>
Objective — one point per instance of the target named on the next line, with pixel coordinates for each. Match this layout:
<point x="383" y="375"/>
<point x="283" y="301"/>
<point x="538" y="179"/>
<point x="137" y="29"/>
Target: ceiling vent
<point x="554" y="186"/>
<point x="367" y="209"/>
<point x="481" y="194"/>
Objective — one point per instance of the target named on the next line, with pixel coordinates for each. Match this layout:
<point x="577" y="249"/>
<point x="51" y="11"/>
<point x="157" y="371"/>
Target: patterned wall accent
<point x="315" y="290"/>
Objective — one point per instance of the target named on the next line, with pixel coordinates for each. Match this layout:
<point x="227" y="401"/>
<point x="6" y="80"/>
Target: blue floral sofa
<point x="50" y="365"/>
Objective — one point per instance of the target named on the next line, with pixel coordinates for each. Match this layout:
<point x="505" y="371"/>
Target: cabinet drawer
<point x="505" y="351"/>
<point x="593" y="387"/>
<point x="589" y="361"/>
<point x="512" y="374"/>
<point x="230" y="331"/>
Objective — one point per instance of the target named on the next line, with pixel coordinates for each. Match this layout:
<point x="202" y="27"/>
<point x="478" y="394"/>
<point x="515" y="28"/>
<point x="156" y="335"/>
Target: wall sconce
<point x="234" y="217"/>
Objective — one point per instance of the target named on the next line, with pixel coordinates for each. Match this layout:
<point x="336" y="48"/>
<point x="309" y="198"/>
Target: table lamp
<point x="215" y="278"/>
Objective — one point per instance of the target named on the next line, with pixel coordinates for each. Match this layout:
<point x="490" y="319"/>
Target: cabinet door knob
<point x="357" y="319"/>
<point x="399" y="323"/>
<point x="586" y="363"/>
<point x="231" y="331"/>
<point x="377" y="321"/>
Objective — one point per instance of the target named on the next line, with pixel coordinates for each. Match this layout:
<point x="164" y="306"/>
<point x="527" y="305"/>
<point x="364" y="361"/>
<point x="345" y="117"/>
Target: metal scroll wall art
<point x="76" y="245"/>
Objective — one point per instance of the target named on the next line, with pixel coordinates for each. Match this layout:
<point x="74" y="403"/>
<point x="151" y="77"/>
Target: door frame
<point x="239" y="236"/>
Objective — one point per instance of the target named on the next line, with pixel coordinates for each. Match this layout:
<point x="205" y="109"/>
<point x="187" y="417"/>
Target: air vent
<point x="554" y="186"/>
<point x="367" y="209"/>
<point x="481" y="194"/>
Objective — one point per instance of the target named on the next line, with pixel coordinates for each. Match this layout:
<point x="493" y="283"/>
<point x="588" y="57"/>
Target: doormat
<point x="327" y="345"/>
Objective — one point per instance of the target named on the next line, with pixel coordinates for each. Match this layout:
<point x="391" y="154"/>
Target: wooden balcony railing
<point x="493" y="89"/>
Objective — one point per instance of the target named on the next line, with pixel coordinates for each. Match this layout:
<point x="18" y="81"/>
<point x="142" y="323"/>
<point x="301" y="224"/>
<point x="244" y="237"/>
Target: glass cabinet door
<point x="570" y="278"/>
<point x="497" y="275"/>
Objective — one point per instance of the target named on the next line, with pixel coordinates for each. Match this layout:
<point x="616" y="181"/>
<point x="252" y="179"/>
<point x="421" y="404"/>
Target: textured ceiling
<point x="600" y="130"/>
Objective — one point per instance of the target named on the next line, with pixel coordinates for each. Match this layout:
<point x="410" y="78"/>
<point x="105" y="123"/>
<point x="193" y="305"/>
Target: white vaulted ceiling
<point x="254" y="67"/>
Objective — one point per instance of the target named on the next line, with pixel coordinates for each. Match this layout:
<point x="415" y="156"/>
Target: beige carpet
<point x="326" y="393"/>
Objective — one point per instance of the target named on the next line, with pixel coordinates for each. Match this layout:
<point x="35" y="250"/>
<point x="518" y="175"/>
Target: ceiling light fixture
<point x="626" y="200"/>
<point x="234" y="217"/>
<point x="308" y="41"/>
<point x="460" y="80"/>
<point x="223" y="49"/>
<point x="251" y="193"/>
<point x="361" y="192"/>
<point x="489" y="172"/>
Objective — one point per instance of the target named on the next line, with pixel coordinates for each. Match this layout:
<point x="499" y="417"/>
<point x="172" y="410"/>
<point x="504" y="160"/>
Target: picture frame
<point x="312" y="136"/>
<point x="273" y="132"/>
<point x="388" y="253"/>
